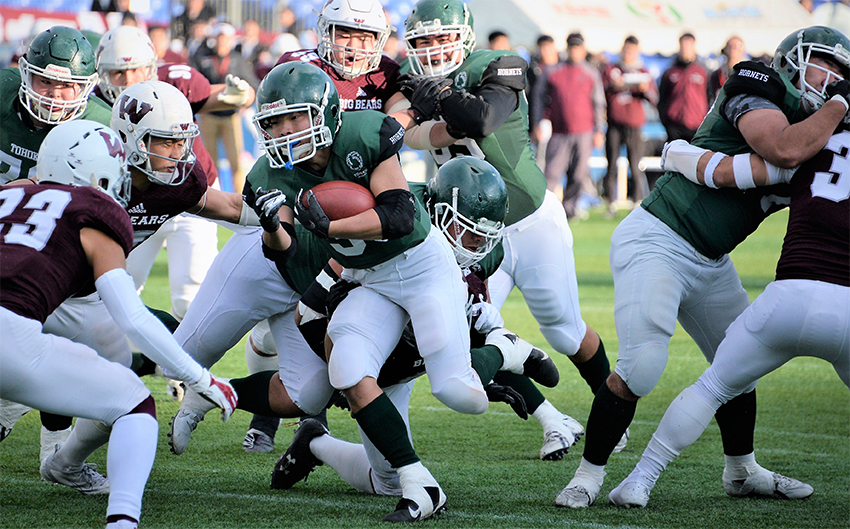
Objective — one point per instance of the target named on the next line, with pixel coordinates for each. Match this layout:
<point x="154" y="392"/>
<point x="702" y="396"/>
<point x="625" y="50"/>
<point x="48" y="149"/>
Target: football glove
<point x="508" y="395"/>
<point x="423" y="100"/>
<point x="266" y="205"/>
<point x="840" y="91"/>
<point x="313" y="218"/>
<point x="237" y="92"/>
<point x="485" y="317"/>
<point x="219" y="392"/>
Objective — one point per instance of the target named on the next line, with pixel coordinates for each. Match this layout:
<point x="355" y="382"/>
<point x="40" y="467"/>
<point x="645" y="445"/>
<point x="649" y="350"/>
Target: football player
<point x="811" y="293"/>
<point x="389" y="250"/>
<point x="671" y="254"/>
<point x="466" y="200"/>
<point x="76" y="240"/>
<point x="479" y="96"/>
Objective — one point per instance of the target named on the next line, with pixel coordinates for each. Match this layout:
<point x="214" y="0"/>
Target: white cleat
<point x="421" y="498"/>
<point x="630" y="494"/>
<point x="51" y="441"/>
<point x="557" y="441"/>
<point x="257" y="441"/>
<point x="765" y="483"/>
<point x="522" y="358"/>
<point x="581" y="491"/>
<point x="622" y="443"/>
<point x="85" y="478"/>
<point x="10" y="412"/>
<point x="192" y="409"/>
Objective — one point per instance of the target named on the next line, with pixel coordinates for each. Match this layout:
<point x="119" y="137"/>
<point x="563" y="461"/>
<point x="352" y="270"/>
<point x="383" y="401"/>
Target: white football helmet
<point x="123" y="48"/>
<point x="365" y="15"/>
<point x="154" y="109"/>
<point x="85" y="153"/>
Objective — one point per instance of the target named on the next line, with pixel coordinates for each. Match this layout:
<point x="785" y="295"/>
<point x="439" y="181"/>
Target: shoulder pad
<point x="757" y="79"/>
<point x="507" y="70"/>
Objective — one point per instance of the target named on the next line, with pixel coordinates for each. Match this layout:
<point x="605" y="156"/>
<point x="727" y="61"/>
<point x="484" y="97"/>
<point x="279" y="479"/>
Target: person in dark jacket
<point x="734" y="52"/>
<point x="682" y="92"/>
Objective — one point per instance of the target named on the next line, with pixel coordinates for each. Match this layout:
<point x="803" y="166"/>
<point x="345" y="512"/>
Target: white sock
<point x="349" y="460"/>
<point x="742" y="466"/>
<point x="257" y="362"/>
<point x="597" y="472"/>
<point x="548" y="416"/>
<point x="132" y="448"/>
<point x="86" y="437"/>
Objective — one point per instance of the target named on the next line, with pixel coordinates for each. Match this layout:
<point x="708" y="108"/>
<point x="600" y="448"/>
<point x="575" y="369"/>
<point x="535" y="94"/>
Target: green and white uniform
<point x="537" y="240"/>
<point x="19" y="141"/>
<point x="669" y="257"/>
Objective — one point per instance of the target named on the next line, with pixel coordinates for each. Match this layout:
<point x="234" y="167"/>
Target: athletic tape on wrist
<point x="709" y="169"/>
<point x="743" y="171"/>
<point x="841" y="99"/>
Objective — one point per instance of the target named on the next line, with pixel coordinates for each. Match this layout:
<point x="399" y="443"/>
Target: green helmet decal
<point x="794" y="55"/>
<point x="297" y="87"/>
<point x="61" y="54"/>
<point x="468" y="195"/>
<point x="449" y="19"/>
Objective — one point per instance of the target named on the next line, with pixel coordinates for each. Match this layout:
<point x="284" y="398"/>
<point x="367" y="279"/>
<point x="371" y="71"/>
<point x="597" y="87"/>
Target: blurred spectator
<point x="499" y="40"/>
<point x="394" y="48"/>
<point x="546" y="57"/>
<point x="249" y="45"/>
<point x="267" y="59"/>
<point x="683" y="92"/>
<point x="734" y="52"/>
<point x="570" y="95"/>
<point x="224" y="124"/>
<point x="287" y="21"/>
<point x="129" y="19"/>
<point x="110" y="6"/>
<point x="627" y="85"/>
<point x="199" y="39"/>
<point x="161" y="38"/>
<point x="195" y="10"/>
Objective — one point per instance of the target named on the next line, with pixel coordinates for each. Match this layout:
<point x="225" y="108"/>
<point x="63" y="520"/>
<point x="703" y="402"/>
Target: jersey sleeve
<point x="508" y="71"/>
<point x="735" y="107"/>
<point x="392" y="136"/>
<point x="756" y="79"/>
<point x="100" y="212"/>
<point x="189" y="81"/>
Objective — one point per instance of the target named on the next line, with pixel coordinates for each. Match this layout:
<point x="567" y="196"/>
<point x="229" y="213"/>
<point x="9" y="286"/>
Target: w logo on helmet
<point x="114" y="144"/>
<point x="132" y="110"/>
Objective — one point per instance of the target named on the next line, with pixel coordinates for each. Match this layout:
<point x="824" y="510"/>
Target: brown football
<point x="340" y="199"/>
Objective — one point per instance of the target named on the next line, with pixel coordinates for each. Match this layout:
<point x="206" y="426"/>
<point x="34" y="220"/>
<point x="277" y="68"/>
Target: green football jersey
<point x="19" y="143"/>
<point x="715" y="221"/>
<point x="508" y="149"/>
<point x="309" y="259"/>
<point x="365" y="139"/>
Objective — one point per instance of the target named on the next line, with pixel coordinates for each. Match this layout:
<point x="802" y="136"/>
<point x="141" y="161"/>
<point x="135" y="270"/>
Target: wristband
<point x="709" y="169"/>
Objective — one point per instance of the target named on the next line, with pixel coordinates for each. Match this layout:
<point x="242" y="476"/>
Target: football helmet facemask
<point x="450" y="18"/>
<point x="154" y="109"/>
<point x="363" y="15"/>
<point x="123" y="48"/>
<point x="85" y="153"/>
<point x="793" y="58"/>
<point x="296" y="87"/>
<point x="468" y="195"/>
<point x="61" y="55"/>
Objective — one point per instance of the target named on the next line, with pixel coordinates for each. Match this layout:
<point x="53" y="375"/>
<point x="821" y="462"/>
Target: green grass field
<point x="488" y="465"/>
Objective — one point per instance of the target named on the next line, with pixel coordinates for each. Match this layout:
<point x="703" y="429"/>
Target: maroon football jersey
<point x="365" y="92"/>
<point x="42" y="261"/>
<point x="817" y="243"/>
<point x="150" y="209"/>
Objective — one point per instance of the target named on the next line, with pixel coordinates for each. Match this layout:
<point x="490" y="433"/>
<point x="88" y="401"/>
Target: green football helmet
<point x="468" y="195"/>
<point x="450" y="19"/>
<point x="793" y="57"/>
<point x="62" y="55"/>
<point x="296" y="87"/>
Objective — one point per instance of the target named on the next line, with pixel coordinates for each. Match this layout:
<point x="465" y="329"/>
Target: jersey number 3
<point x="36" y="231"/>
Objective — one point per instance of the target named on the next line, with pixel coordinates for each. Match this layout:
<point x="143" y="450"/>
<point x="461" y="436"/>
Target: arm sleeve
<point x="392" y="139"/>
<point x="118" y="292"/>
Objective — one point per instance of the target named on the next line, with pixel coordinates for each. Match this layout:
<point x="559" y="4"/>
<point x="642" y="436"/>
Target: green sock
<point x="596" y="370"/>
<point x="253" y="392"/>
<point x="524" y="386"/>
<point x="383" y="425"/>
<point x="486" y="361"/>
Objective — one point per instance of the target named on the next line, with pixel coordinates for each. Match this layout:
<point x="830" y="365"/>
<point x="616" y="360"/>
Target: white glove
<point x="219" y="392"/>
<point x="236" y="91"/>
<point x="486" y="317"/>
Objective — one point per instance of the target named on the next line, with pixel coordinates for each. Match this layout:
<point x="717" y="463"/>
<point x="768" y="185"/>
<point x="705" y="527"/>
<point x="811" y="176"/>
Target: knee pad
<point x="460" y="396"/>
<point x="642" y="374"/>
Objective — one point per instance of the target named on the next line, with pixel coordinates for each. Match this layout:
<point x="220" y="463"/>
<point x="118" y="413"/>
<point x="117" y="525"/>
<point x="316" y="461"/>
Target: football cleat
<point x="522" y="358"/>
<point x="257" y="441"/>
<point x="51" y="441"/>
<point x="192" y="409"/>
<point x="581" y="491"/>
<point x="298" y="461"/>
<point x="558" y="440"/>
<point x="421" y="498"/>
<point x="621" y="444"/>
<point x="10" y="412"/>
<point x="764" y="483"/>
<point x="85" y="478"/>
<point x="630" y="494"/>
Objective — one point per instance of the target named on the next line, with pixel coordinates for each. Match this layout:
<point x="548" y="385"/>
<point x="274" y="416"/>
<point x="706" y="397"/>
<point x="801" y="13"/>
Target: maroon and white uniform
<point x="369" y="91"/>
<point x="42" y="262"/>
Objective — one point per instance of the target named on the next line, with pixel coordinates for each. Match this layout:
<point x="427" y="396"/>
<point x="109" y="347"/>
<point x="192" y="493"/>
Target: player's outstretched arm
<point x="230" y="207"/>
<point x="715" y="169"/>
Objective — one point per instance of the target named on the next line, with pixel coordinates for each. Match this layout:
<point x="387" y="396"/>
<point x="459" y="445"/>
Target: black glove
<point x="841" y="89"/>
<point x="497" y="393"/>
<point x="338" y="292"/>
<point x="408" y="82"/>
<point x="313" y="218"/>
<point x="266" y="205"/>
<point x="423" y="100"/>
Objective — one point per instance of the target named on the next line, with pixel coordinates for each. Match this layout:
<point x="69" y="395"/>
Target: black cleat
<point x="408" y="511"/>
<point x="297" y="462"/>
